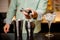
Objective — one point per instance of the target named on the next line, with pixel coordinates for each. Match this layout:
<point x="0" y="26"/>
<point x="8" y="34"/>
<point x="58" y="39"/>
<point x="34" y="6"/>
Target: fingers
<point x="25" y="13"/>
<point x="33" y="14"/>
<point x="6" y="28"/>
<point x="28" y="9"/>
<point x="31" y="10"/>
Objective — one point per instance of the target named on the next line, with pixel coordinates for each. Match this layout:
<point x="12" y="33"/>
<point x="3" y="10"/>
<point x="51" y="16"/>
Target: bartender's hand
<point x="33" y="14"/>
<point x="6" y="28"/>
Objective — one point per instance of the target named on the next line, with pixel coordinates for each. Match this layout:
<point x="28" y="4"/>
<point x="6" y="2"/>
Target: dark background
<point x="55" y="27"/>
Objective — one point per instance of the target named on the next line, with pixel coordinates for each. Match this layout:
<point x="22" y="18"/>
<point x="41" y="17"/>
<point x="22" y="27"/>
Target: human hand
<point x="6" y="28"/>
<point x="29" y="13"/>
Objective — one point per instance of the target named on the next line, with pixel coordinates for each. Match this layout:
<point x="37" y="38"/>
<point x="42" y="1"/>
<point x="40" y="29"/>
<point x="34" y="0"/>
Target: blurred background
<point x="53" y="5"/>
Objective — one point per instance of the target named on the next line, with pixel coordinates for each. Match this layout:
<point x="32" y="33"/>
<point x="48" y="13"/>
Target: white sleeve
<point x="40" y="14"/>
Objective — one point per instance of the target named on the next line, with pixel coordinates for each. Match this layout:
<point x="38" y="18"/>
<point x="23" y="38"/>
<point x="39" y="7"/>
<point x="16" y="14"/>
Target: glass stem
<point x="49" y="24"/>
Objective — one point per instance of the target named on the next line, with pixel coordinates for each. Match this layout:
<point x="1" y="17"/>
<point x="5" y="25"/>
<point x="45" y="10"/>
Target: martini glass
<point x="50" y="18"/>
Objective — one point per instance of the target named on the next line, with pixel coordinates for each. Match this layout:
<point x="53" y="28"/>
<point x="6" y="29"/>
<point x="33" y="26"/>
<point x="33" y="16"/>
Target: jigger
<point x="19" y="25"/>
<point x="29" y="25"/>
<point x="29" y="28"/>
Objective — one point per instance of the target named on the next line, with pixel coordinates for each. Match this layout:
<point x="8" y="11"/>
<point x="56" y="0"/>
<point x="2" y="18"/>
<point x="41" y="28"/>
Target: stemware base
<point x="49" y="35"/>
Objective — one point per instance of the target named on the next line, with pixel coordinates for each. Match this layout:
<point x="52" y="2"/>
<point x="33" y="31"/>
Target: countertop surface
<point x="39" y="36"/>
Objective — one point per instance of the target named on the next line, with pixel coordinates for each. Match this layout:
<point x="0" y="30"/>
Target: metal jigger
<point x="30" y="28"/>
<point x="28" y="25"/>
<point x="19" y="24"/>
